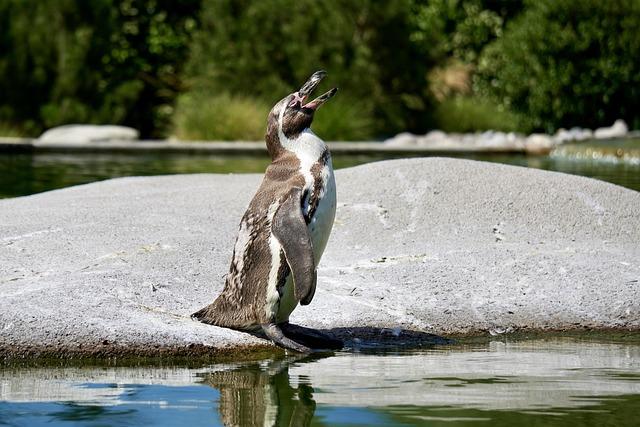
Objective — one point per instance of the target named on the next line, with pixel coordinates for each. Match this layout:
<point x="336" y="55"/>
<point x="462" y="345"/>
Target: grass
<point x="225" y="117"/>
<point x="9" y="130"/>
<point x="221" y="117"/>
<point x="471" y="114"/>
<point x="343" y="119"/>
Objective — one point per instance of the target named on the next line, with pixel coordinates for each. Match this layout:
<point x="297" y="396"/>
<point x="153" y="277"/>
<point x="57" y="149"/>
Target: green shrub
<point x="460" y="28"/>
<point x="566" y="63"/>
<point x="7" y="129"/>
<point x="225" y="117"/>
<point x="100" y="61"/>
<point x="471" y="114"/>
<point x="220" y="117"/>
<point x="344" y="119"/>
<point x="269" y="48"/>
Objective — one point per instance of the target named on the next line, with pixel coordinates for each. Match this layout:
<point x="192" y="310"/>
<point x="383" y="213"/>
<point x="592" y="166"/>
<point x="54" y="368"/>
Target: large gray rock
<point x="88" y="133"/>
<point x="439" y="245"/>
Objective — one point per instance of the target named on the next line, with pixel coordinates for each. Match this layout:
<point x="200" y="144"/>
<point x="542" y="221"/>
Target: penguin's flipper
<point x="290" y="228"/>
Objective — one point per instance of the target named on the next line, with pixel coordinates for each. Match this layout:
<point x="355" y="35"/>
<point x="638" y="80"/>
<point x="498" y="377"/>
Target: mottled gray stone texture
<point x="437" y="245"/>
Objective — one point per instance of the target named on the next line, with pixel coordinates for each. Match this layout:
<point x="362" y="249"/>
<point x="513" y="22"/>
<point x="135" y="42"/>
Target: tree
<point x="564" y="63"/>
<point x="265" y="49"/>
<point x="103" y="61"/>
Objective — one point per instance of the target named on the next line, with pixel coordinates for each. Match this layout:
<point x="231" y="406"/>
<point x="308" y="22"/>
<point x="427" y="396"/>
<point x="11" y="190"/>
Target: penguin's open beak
<point x="310" y="86"/>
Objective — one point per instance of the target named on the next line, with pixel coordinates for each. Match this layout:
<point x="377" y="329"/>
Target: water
<point x="616" y="161"/>
<point x="557" y="381"/>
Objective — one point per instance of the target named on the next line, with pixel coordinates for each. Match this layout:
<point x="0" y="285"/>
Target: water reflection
<point x="263" y="394"/>
<point x="623" y="151"/>
<point x="556" y="381"/>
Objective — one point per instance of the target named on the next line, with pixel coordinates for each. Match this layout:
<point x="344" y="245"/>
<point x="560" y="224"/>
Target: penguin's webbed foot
<point x="274" y="333"/>
<point x="310" y="337"/>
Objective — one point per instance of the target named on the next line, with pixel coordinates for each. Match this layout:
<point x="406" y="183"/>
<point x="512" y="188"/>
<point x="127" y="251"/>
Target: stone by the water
<point x="573" y="134"/>
<point x="437" y="245"/>
<point x="617" y="130"/>
<point x="88" y="133"/>
<point x="402" y="140"/>
<point x="536" y="143"/>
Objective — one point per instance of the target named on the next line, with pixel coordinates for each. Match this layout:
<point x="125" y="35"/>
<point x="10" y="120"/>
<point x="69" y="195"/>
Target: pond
<point x="616" y="161"/>
<point x="553" y="381"/>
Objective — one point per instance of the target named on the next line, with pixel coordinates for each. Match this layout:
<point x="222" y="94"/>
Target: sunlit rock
<point x="435" y="137"/>
<point x="88" y="133"/>
<point x="402" y="140"/>
<point x="538" y="144"/>
<point x="574" y="134"/>
<point x="437" y="245"/>
<point x="619" y="129"/>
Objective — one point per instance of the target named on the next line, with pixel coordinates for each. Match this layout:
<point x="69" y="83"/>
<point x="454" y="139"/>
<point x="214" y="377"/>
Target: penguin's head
<point x="293" y="113"/>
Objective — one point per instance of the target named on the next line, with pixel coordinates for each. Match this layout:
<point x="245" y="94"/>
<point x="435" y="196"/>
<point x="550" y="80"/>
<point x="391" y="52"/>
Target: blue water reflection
<point x="542" y="382"/>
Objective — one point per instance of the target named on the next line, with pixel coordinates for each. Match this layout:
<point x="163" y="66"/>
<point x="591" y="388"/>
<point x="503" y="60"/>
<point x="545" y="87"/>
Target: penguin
<point x="283" y="232"/>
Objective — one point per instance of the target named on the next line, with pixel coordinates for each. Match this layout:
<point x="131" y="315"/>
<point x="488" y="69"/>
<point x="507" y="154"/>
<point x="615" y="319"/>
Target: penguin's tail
<point x="203" y="315"/>
<point x="213" y="314"/>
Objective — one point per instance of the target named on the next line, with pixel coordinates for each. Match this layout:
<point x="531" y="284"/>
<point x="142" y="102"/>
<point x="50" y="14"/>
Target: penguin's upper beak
<point x="310" y="86"/>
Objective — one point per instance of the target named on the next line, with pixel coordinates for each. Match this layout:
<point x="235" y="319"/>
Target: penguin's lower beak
<point x="310" y="86"/>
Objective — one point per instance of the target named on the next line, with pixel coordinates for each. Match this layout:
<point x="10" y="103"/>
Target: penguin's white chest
<point x="322" y="220"/>
<point x="308" y="148"/>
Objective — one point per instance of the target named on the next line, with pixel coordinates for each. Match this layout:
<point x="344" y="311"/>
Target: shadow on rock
<point x="357" y="338"/>
<point x="386" y="338"/>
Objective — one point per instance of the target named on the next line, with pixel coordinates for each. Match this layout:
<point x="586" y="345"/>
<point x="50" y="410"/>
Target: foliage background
<point x="211" y="69"/>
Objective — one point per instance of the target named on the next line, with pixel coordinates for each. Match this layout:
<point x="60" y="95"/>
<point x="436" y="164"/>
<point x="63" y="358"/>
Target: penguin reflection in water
<point x="263" y="394"/>
<point x="283" y="232"/>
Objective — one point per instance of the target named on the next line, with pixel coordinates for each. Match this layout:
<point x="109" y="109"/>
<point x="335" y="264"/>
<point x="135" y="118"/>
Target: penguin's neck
<point x="307" y="146"/>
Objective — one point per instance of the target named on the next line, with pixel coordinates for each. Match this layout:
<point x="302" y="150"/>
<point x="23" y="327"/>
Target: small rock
<point x="619" y="129"/>
<point x="580" y="134"/>
<point x="402" y="140"/>
<point x="88" y="133"/>
<point x="561" y="136"/>
<point x="574" y="134"/>
<point x="499" y="139"/>
<point x="435" y="137"/>
<point x="538" y="143"/>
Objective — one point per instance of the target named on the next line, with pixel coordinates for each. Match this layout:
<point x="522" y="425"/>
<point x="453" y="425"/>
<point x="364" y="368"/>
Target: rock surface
<point x="88" y="133"/>
<point x="437" y="245"/>
<point x="617" y="130"/>
<point x="536" y="143"/>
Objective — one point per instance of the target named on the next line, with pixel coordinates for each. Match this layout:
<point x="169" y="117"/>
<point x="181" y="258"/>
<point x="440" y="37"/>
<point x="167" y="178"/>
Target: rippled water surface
<point x="616" y="161"/>
<point x="540" y="382"/>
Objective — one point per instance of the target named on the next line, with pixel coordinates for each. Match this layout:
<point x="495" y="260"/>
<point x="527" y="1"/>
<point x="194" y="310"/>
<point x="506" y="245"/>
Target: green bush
<point x="344" y="119"/>
<point x="566" y="63"/>
<point x="225" y="117"/>
<point x="471" y="114"/>
<point x="267" y="49"/>
<point x="100" y="61"/>
<point x="7" y="129"/>
<point x="459" y="29"/>
<point x="221" y="117"/>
